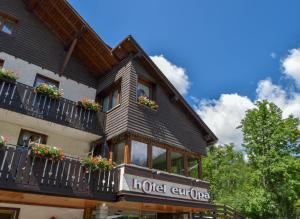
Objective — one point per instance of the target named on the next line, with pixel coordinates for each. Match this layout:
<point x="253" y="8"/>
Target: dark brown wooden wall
<point x="117" y="118"/>
<point x="170" y="124"/>
<point x="33" y="42"/>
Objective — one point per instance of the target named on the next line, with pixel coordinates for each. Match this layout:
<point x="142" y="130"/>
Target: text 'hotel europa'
<point x="149" y="187"/>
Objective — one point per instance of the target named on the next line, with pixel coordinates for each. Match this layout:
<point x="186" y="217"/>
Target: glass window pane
<point x="1" y="21"/>
<point x="139" y="153"/>
<point x="159" y="158"/>
<point x="105" y="104"/>
<point x="118" y="152"/>
<point x="8" y="26"/>
<point x="143" y="90"/>
<point x="177" y="165"/>
<point x="115" y="98"/>
<point x="26" y="137"/>
<point x="193" y="167"/>
<point x="39" y="79"/>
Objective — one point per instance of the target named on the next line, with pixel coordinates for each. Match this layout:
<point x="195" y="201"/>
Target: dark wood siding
<point x="170" y="124"/>
<point x="33" y="42"/>
<point x="117" y="118"/>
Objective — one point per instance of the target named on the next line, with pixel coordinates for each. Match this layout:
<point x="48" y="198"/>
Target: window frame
<point x="109" y="93"/>
<point x="199" y="170"/>
<point x="169" y="149"/>
<point x="148" y="84"/>
<point x="2" y="61"/>
<point x="13" y="212"/>
<point x="8" y="18"/>
<point x="45" y="137"/>
<point x="147" y="155"/>
<point x="43" y="77"/>
<point x="151" y="156"/>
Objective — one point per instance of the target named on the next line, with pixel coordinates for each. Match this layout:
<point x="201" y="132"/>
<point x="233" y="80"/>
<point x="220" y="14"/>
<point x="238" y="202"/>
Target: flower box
<point x="48" y="90"/>
<point x="3" y="141"/>
<point x="88" y="104"/>
<point x="143" y="100"/>
<point x="8" y="76"/>
<point x="46" y="151"/>
<point x="94" y="163"/>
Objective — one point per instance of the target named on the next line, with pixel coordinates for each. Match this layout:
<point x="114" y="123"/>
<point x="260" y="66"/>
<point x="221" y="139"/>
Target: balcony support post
<point x="101" y="211"/>
<point x="71" y="49"/>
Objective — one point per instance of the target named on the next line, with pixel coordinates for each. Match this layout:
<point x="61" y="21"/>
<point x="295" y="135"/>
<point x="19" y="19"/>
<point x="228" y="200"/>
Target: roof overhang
<point x="68" y="25"/>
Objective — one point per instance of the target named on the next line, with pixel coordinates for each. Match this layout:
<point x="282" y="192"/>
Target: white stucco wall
<point x="72" y="90"/>
<point x="42" y="212"/>
<point x="70" y="146"/>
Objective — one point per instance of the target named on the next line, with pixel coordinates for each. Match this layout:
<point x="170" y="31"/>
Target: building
<point x="157" y="151"/>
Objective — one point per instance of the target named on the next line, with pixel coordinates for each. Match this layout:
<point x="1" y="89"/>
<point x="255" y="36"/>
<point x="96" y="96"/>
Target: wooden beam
<point x="31" y="4"/>
<point x="71" y="49"/>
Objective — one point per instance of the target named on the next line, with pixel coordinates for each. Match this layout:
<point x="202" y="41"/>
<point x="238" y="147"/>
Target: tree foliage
<point x="267" y="185"/>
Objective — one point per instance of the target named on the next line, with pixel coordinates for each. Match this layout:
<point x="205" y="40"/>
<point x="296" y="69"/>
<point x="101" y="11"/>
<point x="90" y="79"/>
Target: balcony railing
<point x="21" y="98"/>
<point x="19" y="171"/>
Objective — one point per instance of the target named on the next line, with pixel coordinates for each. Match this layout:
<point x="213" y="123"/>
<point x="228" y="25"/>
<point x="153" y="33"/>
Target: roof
<point x="68" y="25"/>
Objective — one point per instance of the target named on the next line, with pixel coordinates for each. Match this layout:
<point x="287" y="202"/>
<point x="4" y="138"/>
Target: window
<point x="9" y="213"/>
<point x="40" y="79"/>
<point x="1" y="63"/>
<point x="159" y="158"/>
<point x="7" y="23"/>
<point x="144" y="89"/>
<point x="193" y="167"/>
<point x="26" y="137"/>
<point x="111" y="99"/>
<point x="139" y="153"/>
<point x="118" y="153"/>
<point x="177" y="163"/>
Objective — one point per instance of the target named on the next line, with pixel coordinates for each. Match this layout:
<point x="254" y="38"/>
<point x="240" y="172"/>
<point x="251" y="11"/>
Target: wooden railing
<point x="219" y="212"/>
<point x="19" y="171"/>
<point x="21" y="98"/>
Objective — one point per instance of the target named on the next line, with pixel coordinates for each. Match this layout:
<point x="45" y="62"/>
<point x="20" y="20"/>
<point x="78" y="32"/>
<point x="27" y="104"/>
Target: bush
<point x="147" y="102"/>
<point x="89" y="104"/>
<point x="3" y="141"/>
<point x="48" y="152"/>
<point x="93" y="163"/>
<point x="8" y="75"/>
<point x="48" y="90"/>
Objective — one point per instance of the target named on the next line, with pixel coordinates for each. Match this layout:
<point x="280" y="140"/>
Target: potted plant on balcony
<point x="88" y="104"/>
<point x="45" y="151"/>
<point x="8" y="76"/>
<point x="93" y="163"/>
<point x="3" y="141"/>
<point x="49" y="90"/>
<point x="143" y="100"/>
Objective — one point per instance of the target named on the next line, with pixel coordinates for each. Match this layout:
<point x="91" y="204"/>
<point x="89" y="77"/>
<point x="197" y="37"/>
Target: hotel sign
<point x="148" y="186"/>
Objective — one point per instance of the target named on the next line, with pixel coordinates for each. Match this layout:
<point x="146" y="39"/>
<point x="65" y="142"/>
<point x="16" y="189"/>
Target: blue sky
<point x="225" y="47"/>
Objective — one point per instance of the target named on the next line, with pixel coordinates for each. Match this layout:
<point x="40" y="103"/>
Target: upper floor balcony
<point x="23" y="99"/>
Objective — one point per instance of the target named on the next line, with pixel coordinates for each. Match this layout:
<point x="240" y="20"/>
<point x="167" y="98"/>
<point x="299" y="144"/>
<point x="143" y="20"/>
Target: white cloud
<point x="287" y="101"/>
<point x="224" y="115"/>
<point x="291" y="65"/>
<point x="273" y="55"/>
<point x="177" y="75"/>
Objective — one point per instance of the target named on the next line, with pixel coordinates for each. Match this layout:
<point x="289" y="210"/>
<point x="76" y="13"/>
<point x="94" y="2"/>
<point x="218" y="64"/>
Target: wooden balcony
<point x="21" y="172"/>
<point x="23" y="99"/>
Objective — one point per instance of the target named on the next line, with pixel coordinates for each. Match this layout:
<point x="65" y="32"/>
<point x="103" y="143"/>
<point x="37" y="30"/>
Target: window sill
<point x="147" y="107"/>
<point x="112" y="109"/>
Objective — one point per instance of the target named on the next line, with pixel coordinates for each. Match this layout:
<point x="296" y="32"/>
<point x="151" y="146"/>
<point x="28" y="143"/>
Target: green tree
<point x="228" y="174"/>
<point x="271" y="143"/>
